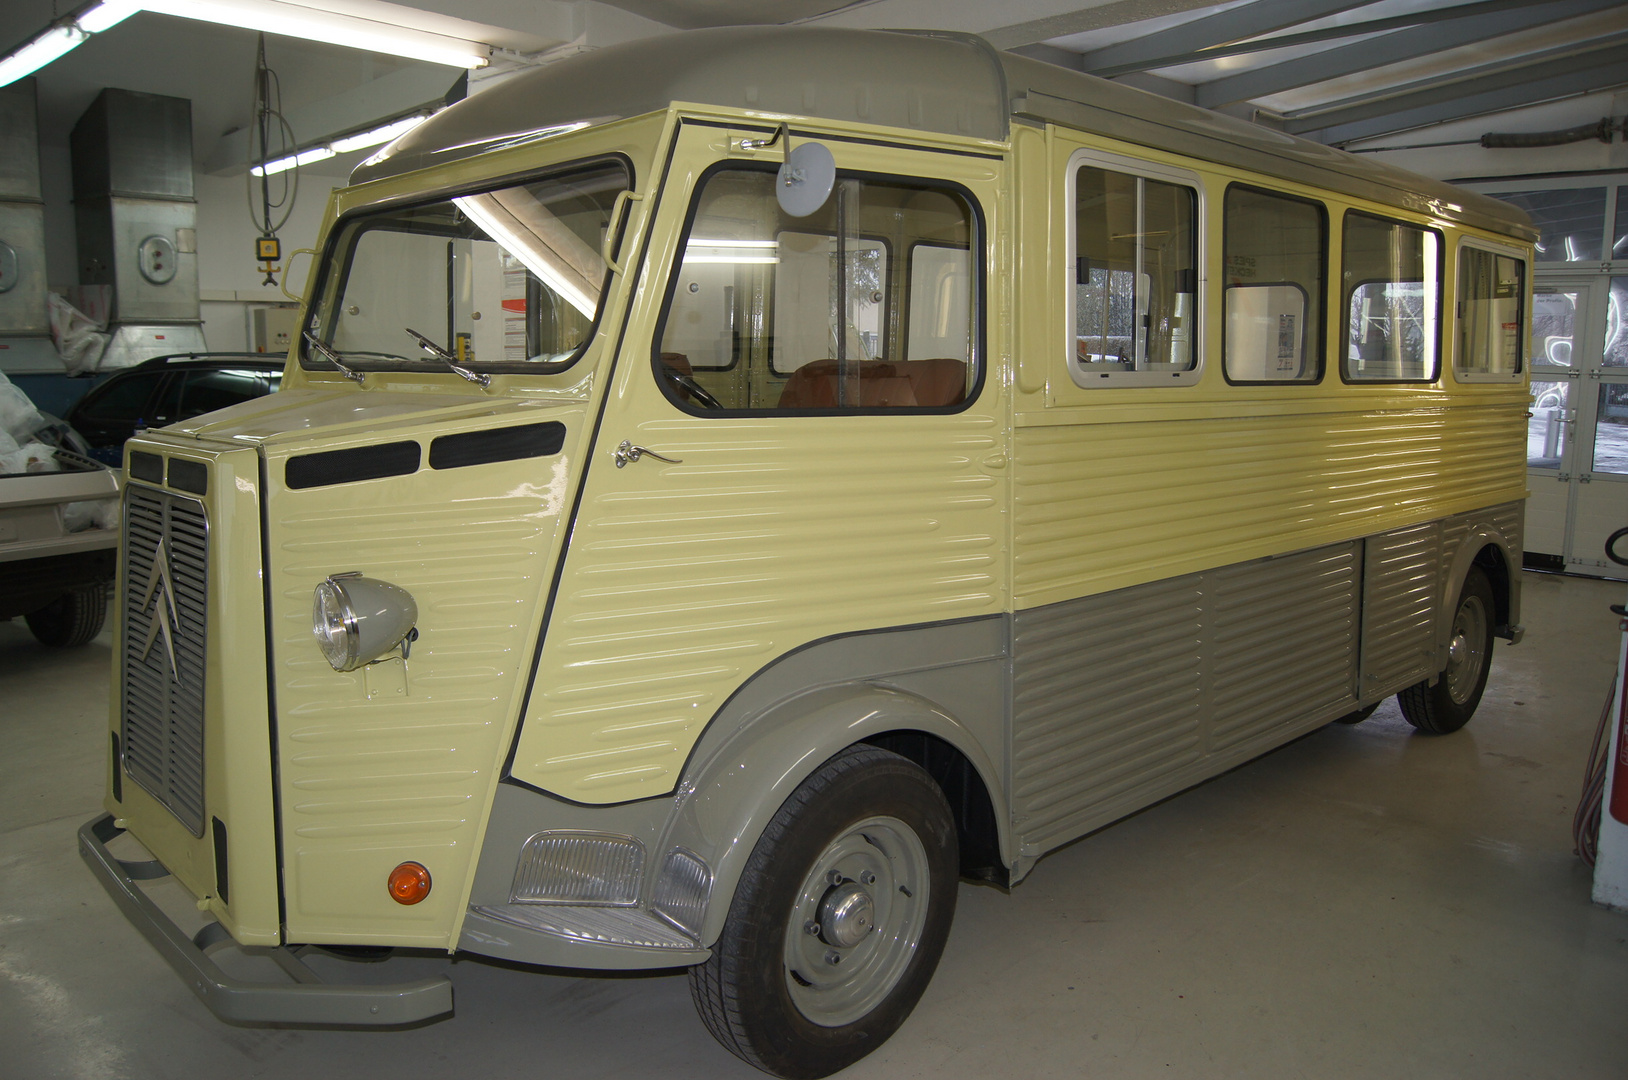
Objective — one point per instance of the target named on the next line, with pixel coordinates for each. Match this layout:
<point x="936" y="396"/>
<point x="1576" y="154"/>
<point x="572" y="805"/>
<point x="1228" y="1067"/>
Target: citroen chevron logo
<point x="159" y="603"/>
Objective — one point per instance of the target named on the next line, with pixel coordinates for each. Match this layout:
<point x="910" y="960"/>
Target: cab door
<point x="802" y="438"/>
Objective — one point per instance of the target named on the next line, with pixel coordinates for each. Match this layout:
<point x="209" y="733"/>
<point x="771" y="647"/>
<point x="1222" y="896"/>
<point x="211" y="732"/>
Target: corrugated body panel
<point x="1402" y="600"/>
<point x="1100" y="505"/>
<point x="1107" y="697"/>
<point x="682" y="580"/>
<point x="396" y="761"/>
<point x="1282" y="641"/>
<point x="162" y="646"/>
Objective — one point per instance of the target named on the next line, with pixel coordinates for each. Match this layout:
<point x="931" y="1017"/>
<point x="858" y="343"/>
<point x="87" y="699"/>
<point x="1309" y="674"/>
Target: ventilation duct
<point x="137" y="222"/>
<point x="25" y="324"/>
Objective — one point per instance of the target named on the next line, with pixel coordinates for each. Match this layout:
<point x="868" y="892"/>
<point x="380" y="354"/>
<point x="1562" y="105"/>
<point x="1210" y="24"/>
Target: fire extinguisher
<point x="1619" y="782"/>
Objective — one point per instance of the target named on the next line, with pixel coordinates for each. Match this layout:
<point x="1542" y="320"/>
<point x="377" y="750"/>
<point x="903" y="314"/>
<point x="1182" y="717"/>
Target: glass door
<point x="1559" y="318"/>
<point x="1601" y="500"/>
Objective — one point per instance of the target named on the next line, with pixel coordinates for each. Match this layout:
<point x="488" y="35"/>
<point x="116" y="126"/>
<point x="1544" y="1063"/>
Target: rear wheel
<point x="1448" y="703"/>
<point x="839" y="919"/>
<point x="71" y="619"/>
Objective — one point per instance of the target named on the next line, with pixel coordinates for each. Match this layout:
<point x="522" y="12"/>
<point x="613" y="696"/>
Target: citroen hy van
<point x="732" y="486"/>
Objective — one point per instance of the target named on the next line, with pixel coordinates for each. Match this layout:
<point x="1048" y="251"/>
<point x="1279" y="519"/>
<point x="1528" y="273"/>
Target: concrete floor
<point x="1365" y="902"/>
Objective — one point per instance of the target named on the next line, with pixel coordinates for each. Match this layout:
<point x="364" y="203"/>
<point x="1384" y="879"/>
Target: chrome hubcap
<point x="1466" y="651"/>
<point x="846" y="914"/>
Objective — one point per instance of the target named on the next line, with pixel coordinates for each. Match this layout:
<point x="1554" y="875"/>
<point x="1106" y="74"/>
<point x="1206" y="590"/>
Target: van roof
<point x="932" y="81"/>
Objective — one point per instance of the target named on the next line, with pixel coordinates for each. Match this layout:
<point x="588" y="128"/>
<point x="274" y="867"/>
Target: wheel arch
<point x="727" y="800"/>
<point x="1486" y="547"/>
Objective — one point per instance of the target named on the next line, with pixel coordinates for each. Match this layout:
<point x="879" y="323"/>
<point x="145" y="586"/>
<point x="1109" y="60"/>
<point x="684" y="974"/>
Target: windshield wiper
<point x="333" y="358"/>
<point x="448" y="359"/>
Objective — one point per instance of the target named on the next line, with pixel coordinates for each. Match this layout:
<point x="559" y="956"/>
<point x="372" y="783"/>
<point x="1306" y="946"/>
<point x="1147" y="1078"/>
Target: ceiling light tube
<point x="107" y="14"/>
<point x="283" y="164"/>
<point x="335" y="28"/>
<point x="40" y="51"/>
<point x="382" y="134"/>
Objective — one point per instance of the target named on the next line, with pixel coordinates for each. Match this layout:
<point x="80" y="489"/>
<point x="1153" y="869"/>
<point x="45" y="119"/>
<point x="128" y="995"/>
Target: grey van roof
<point x="934" y="81"/>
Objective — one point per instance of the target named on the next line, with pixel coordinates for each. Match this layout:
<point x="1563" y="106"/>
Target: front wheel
<point x="72" y="619"/>
<point x="1445" y="705"/>
<point x="838" y="921"/>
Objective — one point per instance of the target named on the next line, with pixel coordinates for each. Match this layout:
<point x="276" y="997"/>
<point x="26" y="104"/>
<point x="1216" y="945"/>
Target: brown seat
<point x="876" y="384"/>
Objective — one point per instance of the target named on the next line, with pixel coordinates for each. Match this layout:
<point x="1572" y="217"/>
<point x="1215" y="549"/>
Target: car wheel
<point x="1447" y="703"/>
<point x="838" y="921"/>
<point x="71" y="619"/>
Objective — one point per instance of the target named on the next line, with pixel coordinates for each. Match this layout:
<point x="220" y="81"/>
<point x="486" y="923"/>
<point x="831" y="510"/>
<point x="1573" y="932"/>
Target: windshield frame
<point x="321" y="310"/>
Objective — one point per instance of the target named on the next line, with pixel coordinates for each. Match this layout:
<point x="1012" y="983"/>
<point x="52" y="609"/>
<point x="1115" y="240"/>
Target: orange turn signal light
<point x="409" y="883"/>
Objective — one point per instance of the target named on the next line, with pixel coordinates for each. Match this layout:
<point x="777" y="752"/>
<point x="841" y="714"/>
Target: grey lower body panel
<point x="307" y="1000"/>
<point x="1123" y="698"/>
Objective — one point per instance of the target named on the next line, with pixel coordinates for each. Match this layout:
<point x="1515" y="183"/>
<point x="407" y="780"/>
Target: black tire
<point x="71" y="619"/>
<point x="1357" y="716"/>
<point x="867" y="823"/>
<point x="1446" y="704"/>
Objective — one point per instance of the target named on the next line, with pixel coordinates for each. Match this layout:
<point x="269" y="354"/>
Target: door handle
<point x="627" y="453"/>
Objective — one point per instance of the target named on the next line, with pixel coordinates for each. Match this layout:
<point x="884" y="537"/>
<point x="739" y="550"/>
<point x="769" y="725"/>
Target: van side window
<point x="1135" y="280"/>
<point x="1391" y="275"/>
<point x="1275" y="249"/>
<point x="1490" y="287"/>
<point x="871" y="302"/>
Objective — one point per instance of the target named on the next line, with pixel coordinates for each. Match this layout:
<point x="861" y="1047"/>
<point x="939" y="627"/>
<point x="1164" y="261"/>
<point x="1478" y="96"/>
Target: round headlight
<point x="356" y="619"/>
<point x="334" y="623"/>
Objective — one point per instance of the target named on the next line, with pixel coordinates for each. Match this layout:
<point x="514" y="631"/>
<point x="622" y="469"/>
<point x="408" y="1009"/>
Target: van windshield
<point x="506" y="280"/>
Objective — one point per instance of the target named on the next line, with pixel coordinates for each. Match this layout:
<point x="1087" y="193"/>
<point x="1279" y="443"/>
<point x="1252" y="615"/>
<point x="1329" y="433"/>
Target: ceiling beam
<point x="1222" y="28"/>
<point x="1087" y="19"/>
<point x="1495" y="91"/>
<point x="1312" y="37"/>
<point x="1386" y="49"/>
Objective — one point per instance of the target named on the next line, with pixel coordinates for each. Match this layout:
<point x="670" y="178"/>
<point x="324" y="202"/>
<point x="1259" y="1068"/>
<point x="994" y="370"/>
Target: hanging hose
<point x="1602" y="131"/>
<point x="1585" y="823"/>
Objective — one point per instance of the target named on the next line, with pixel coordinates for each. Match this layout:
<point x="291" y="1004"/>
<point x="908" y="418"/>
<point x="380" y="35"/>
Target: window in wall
<point x="1619" y="234"/>
<point x="871" y="302"/>
<point x="1134" y="257"/>
<point x="1391" y="274"/>
<point x="1571" y="221"/>
<point x="1275" y="251"/>
<point x="1490" y="290"/>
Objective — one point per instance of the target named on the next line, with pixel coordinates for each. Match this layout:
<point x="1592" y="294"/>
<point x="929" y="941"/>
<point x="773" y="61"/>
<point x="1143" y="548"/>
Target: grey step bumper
<point x="307" y="1000"/>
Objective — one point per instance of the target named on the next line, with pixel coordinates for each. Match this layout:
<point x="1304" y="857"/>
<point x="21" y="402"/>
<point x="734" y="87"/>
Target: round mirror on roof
<point x="804" y="182"/>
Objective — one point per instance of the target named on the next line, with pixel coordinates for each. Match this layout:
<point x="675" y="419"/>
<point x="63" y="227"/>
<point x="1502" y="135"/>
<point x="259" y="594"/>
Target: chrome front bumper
<point x="308" y="1000"/>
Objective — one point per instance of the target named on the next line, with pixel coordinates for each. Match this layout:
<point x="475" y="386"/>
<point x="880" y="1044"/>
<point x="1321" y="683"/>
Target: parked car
<point x="59" y="530"/>
<point x="167" y="389"/>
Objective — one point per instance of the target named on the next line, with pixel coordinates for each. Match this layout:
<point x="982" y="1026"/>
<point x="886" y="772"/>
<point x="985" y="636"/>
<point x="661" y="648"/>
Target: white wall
<point x="230" y="281"/>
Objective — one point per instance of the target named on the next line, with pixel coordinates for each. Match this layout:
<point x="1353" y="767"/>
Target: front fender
<point x="731" y="796"/>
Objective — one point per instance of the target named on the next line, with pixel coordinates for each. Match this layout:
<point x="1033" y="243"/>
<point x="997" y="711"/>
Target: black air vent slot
<point x="350" y="466"/>
<point x="148" y="467"/>
<point x="497" y="444"/>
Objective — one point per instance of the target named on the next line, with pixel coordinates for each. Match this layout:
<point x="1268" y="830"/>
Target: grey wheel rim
<point x="1466" y="650"/>
<point x="856" y="921"/>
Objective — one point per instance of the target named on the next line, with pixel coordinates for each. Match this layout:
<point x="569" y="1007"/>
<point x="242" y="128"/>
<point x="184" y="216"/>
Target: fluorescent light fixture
<point x="39" y="52"/>
<point x="701" y="250"/>
<point x="336" y="28"/>
<point x="356" y="141"/>
<point x="283" y="164"/>
<point x="382" y="134"/>
<point x="107" y="14"/>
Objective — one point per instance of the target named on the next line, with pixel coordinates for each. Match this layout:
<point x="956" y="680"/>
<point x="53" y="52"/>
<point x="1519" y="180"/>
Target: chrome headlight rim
<point x="332" y="589"/>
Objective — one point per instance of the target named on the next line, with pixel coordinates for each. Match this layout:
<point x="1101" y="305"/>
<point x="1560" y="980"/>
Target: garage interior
<point x="1364" y="902"/>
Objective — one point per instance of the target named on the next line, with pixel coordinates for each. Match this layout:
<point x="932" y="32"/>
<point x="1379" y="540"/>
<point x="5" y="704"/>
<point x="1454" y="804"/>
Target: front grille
<point x="165" y="623"/>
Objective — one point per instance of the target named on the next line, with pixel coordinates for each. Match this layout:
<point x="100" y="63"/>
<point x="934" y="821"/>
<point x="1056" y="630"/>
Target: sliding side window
<point x="1134" y="257"/>
<point x="1391" y="274"/>
<point x="1491" y="287"/>
<point x="1276" y="247"/>
<point x="871" y="302"/>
